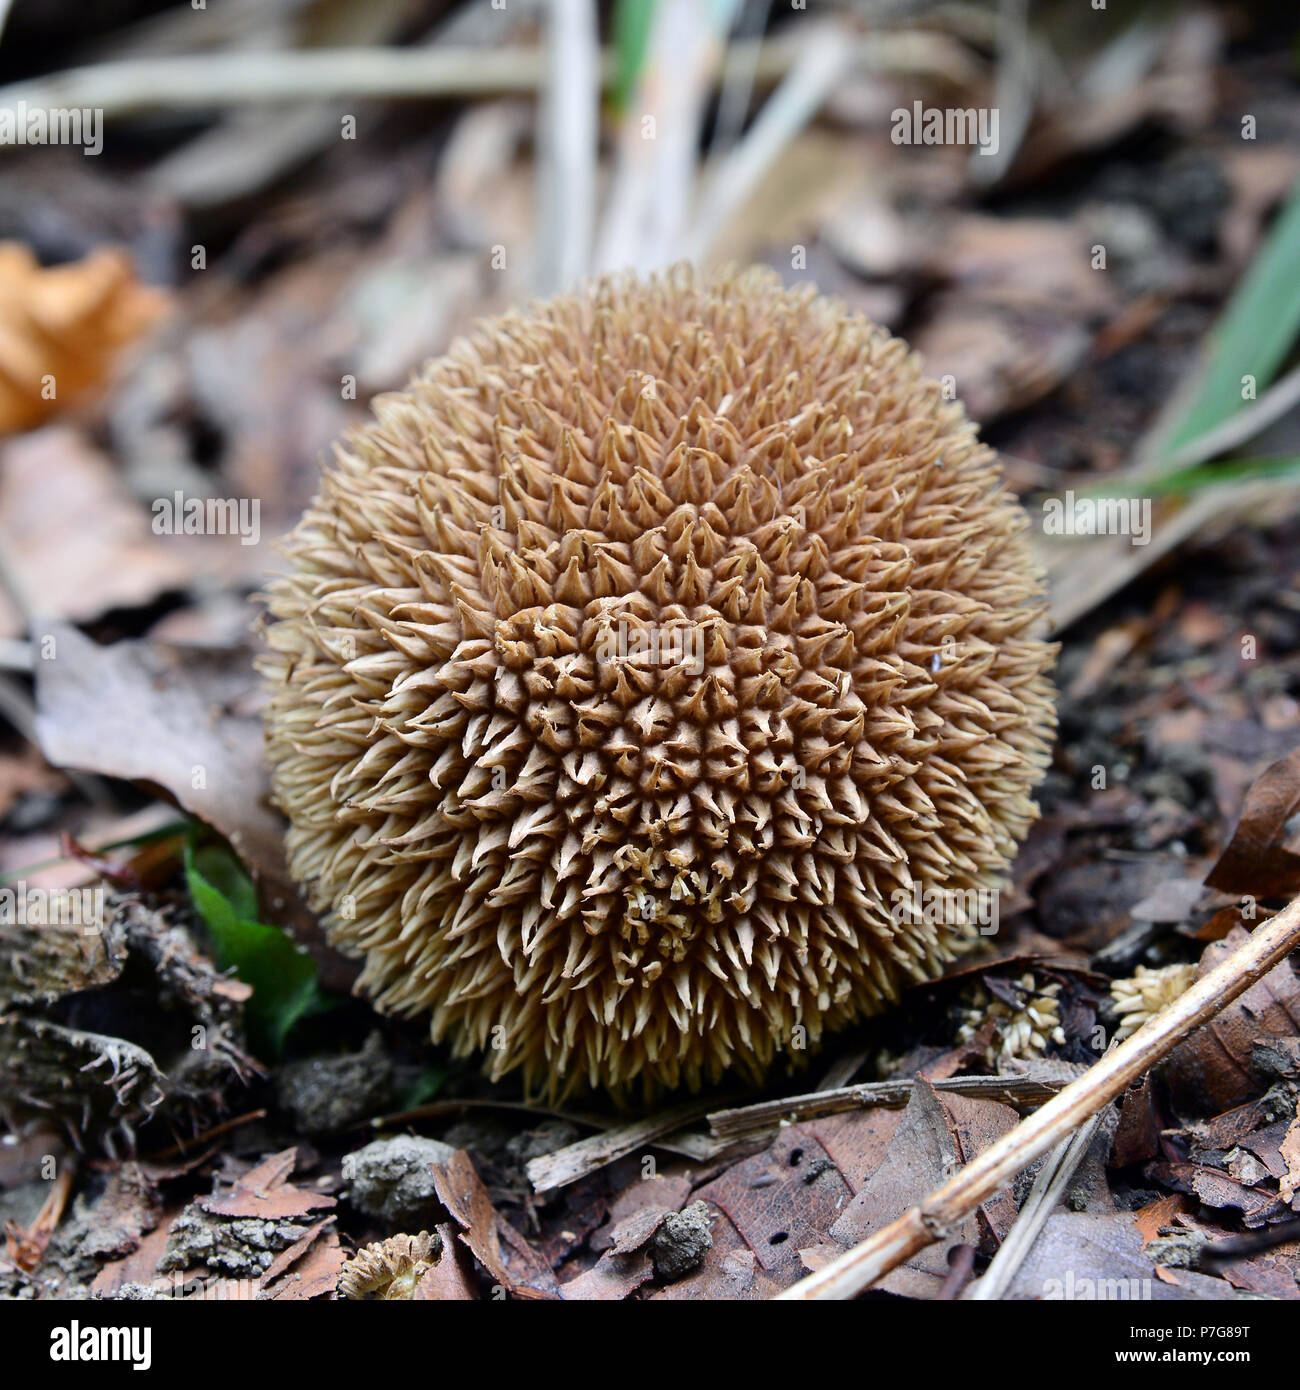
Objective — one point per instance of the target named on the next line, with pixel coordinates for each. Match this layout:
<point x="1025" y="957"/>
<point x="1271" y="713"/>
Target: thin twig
<point x="994" y="1169"/>
<point x="219" y="80"/>
<point x="558" y="1169"/>
<point x="738" y="76"/>
<point x="1217" y="1253"/>
<point x="184" y="1146"/>
<point x="440" y="1109"/>
<point x="1049" y="1187"/>
<point x="201" y="81"/>
<point x="1021" y="1092"/>
<point x="820" y="68"/>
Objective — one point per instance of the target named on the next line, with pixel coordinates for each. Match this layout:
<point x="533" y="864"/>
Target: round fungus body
<point x="642" y="668"/>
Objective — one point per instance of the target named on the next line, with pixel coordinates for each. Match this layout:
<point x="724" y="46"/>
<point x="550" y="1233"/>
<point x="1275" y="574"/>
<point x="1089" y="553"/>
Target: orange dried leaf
<point x="62" y="328"/>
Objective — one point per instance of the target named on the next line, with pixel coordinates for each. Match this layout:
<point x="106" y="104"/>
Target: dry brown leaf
<point x="293" y="1253"/>
<point x="75" y="542"/>
<point x="141" y="1265"/>
<point x="1219" y="1189"/>
<point x="1153" y="1217"/>
<point x="618" y="1274"/>
<point x="265" y="1193"/>
<point x="62" y="328"/>
<point x="184" y="719"/>
<point x="782" y="1200"/>
<point x="1256" y="861"/>
<point x="857" y="1142"/>
<point x="1084" y="1256"/>
<point x="447" y="1281"/>
<point x="1289" y="1183"/>
<point x="731" y="1271"/>
<point x="170" y="716"/>
<point x="461" y="1191"/>
<point x="316" y="1273"/>
<point x="1137" y="1136"/>
<point x="932" y="1141"/>
<point x="1212" y="1070"/>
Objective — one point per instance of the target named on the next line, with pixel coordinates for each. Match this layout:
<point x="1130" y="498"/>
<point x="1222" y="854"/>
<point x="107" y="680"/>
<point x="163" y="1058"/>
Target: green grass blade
<point x="1202" y="475"/>
<point x="1257" y="331"/>
<point x="631" y="36"/>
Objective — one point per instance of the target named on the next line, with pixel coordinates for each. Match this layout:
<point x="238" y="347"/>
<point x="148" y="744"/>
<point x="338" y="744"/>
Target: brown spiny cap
<point x="635" y="661"/>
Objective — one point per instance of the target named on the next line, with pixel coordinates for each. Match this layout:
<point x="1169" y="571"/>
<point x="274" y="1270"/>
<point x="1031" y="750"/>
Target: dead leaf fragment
<point x="1256" y="860"/>
<point x="264" y="1193"/>
<point x="922" y="1156"/>
<point x="1289" y="1183"/>
<point x="517" y="1268"/>
<point x="75" y="542"/>
<point x="62" y="328"/>
<point x="1212" y="1070"/>
<point x="771" y="1201"/>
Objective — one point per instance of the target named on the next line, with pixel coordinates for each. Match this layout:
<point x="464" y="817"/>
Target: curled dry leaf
<point x="493" y="1241"/>
<point x="447" y="1281"/>
<point x="1257" y="861"/>
<point x="264" y="1193"/>
<point x="179" y="718"/>
<point x="1212" y="1070"/>
<point x="63" y="327"/>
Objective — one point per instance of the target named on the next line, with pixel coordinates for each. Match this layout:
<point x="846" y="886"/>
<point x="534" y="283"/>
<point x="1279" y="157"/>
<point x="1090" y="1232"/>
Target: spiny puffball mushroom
<point x="1021" y="1031"/>
<point x="390" y="1269"/>
<point x="636" y="661"/>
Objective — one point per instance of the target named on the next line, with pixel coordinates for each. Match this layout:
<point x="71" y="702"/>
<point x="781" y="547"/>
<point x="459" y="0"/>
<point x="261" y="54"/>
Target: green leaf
<point x="283" y="977"/>
<point x="425" y="1086"/>
<point x="632" y="22"/>
<point x="1218" y="474"/>
<point x="1254" y="336"/>
<point x="1183" y="480"/>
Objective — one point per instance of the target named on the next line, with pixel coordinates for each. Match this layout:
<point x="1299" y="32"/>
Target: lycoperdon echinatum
<point x="636" y="662"/>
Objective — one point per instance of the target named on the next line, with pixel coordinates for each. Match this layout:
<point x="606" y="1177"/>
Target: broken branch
<point x="858" y="1268"/>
